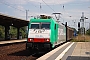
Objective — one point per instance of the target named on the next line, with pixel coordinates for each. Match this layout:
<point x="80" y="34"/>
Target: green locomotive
<point x="45" y="33"/>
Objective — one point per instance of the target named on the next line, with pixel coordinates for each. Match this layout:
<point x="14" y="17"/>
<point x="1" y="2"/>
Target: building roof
<point x="12" y="21"/>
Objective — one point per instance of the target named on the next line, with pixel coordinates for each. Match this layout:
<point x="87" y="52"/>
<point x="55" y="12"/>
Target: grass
<point x="81" y="38"/>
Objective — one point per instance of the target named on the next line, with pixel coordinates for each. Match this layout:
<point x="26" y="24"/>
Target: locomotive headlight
<point x="48" y="40"/>
<point x="30" y="39"/>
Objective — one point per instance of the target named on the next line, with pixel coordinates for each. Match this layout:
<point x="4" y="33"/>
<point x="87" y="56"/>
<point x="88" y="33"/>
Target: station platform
<point x="12" y="41"/>
<point x="69" y="51"/>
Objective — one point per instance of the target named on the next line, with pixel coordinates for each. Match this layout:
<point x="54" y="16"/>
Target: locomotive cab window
<point x="34" y="26"/>
<point x="45" y="25"/>
<point x="40" y="25"/>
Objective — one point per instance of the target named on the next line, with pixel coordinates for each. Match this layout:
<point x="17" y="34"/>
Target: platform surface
<point x="69" y="51"/>
<point x="12" y="41"/>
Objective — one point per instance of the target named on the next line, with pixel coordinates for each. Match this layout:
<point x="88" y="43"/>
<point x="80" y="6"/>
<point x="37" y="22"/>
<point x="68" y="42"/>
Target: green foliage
<point x="23" y="31"/>
<point x="88" y="32"/>
<point x="12" y="32"/>
<point x="2" y="34"/>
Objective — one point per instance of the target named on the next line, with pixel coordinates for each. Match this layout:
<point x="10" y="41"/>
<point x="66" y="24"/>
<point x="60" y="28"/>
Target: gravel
<point x="15" y="52"/>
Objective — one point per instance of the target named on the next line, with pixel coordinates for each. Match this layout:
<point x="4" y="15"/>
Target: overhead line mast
<point x="82" y="25"/>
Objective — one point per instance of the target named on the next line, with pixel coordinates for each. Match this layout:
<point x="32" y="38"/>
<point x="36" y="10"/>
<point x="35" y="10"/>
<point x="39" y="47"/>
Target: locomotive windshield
<point x="45" y="26"/>
<point x="34" y="26"/>
<point x="40" y="26"/>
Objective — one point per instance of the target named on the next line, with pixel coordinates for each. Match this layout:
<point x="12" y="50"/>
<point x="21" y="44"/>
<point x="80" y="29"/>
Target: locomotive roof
<point x="42" y="20"/>
<point x="46" y="20"/>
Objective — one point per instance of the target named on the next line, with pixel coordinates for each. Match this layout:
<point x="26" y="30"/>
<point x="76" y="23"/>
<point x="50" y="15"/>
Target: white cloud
<point x="4" y="13"/>
<point x="20" y="8"/>
<point x="75" y="16"/>
<point x="52" y="1"/>
<point x="37" y="1"/>
<point x="76" y="12"/>
<point x="15" y="1"/>
<point x="19" y="12"/>
<point x="85" y="0"/>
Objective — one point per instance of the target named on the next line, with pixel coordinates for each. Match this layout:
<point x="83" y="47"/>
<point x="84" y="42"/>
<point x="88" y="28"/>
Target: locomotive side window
<point x="55" y="27"/>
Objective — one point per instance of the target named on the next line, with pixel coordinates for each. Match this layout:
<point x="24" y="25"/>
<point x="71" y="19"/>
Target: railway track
<point x="17" y="51"/>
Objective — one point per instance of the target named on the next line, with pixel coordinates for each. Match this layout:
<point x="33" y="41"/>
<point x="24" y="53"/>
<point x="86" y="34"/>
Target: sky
<point x="71" y="10"/>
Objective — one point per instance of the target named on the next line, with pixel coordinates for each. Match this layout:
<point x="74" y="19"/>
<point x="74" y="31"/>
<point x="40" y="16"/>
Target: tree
<point x="13" y="32"/>
<point x="2" y="29"/>
<point x="88" y="32"/>
<point x="23" y="31"/>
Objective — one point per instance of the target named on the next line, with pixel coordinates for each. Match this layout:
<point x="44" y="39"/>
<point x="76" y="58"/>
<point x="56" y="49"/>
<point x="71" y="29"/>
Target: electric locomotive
<point x="45" y="33"/>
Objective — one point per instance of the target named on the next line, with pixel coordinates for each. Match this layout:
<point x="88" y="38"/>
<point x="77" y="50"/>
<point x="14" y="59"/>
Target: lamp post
<point x="27" y="19"/>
